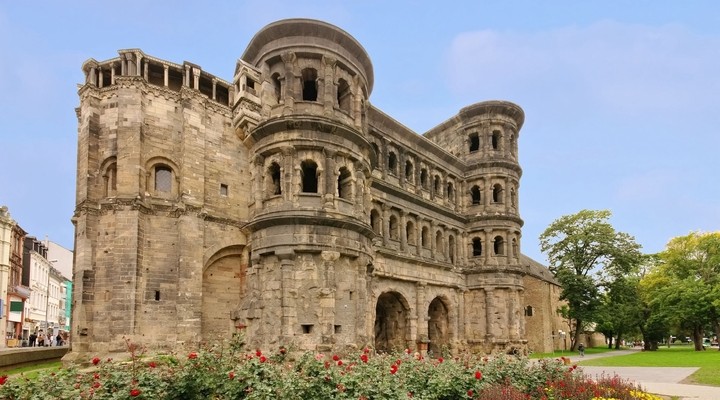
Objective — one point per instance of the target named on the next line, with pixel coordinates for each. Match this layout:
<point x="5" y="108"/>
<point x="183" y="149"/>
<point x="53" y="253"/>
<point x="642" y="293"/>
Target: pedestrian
<point x="58" y="340"/>
<point x="32" y="339"/>
<point x="581" y="349"/>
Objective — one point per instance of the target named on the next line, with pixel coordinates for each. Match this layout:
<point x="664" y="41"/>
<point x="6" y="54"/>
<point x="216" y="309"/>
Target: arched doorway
<point x="438" y="327"/>
<point x="223" y="288"/>
<point x="391" y="322"/>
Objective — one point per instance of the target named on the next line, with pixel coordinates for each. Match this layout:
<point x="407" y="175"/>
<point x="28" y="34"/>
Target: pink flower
<point x="192" y="355"/>
<point x="96" y="361"/>
<point x="135" y="392"/>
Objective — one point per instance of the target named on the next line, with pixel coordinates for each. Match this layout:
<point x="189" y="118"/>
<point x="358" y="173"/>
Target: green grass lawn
<point x="31" y="371"/>
<point x="677" y="356"/>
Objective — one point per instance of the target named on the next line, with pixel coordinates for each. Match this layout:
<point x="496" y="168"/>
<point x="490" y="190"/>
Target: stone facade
<point x="285" y="204"/>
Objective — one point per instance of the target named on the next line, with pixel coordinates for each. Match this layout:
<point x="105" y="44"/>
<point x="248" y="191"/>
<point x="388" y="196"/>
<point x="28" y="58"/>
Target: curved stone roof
<point x="299" y="32"/>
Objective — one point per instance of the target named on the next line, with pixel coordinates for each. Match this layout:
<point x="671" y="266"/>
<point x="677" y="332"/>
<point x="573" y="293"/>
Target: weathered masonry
<point x="283" y="203"/>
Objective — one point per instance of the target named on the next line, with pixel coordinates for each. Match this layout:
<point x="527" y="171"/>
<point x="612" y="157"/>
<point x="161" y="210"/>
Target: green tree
<point x="583" y="248"/>
<point x="689" y="289"/>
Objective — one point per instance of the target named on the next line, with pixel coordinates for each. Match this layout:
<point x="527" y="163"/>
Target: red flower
<point x="135" y="392"/>
<point x="152" y="364"/>
<point x="339" y="363"/>
<point x="364" y="358"/>
<point x="263" y="359"/>
<point x="3" y="379"/>
<point x="96" y="361"/>
<point x="366" y="350"/>
<point x="258" y="352"/>
<point x="393" y="369"/>
<point x="440" y="359"/>
<point x="470" y="393"/>
<point x="478" y="375"/>
<point x="96" y="376"/>
<point x="231" y="375"/>
<point x="335" y="357"/>
<point x="192" y="355"/>
<point x="96" y="385"/>
<point x="398" y="361"/>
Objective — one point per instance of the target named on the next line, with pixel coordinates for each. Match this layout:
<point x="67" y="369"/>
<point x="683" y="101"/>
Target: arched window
<point x="375" y="221"/>
<point x="450" y="191"/>
<point x="163" y="179"/>
<point x="513" y="198"/>
<point x="451" y="249"/>
<point x="409" y="172"/>
<point x="377" y="152"/>
<point x="345" y="184"/>
<point x="495" y="140"/>
<point x="277" y="86"/>
<point x="424" y="237"/>
<point x="309" y="84"/>
<point x="308" y="169"/>
<point x="424" y="178"/>
<point x="497" y="193"/>
<point x="474" y="142"/>
<point x="392" y="163"/>
<point x="477" y="247"/>
<point x="394" y="234"/>
<point x="343" y="95"/>
<point x="475" y="194"/>
<point x="110" y="180"/>
<point x="437" y="188"/>
<point x="499" y="246"/>
<point x="439" y="248"/>
<point x="410" y="232"/>
<point x="273" y="187"/>
<point x="529" y="311"/>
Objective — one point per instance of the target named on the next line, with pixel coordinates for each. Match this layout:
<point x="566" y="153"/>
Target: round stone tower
<point x="301" y="93"/>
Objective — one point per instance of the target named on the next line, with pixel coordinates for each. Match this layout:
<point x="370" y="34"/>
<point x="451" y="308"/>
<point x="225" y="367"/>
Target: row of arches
<point x="161" y="177"/>
<point x="310" y="174"/>
<point x="493" y="142"/>
<point x="392" y="329"/>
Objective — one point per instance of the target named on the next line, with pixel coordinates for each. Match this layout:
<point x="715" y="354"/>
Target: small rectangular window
<point x="157" y="295"/>
<point x="338" y="329"/>
<point x="223" y="189"/>
<point x="306" y="329"/>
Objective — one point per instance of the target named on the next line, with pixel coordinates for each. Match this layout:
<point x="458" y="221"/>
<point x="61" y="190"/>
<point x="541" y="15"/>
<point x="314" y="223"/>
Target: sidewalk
<point x="657" y="380"/>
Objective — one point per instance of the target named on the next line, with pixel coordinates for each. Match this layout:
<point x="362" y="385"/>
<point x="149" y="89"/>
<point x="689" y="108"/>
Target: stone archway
<point x="223" y="288"/>
<point x="438" y="327"/>
<point x="391" y="325"/>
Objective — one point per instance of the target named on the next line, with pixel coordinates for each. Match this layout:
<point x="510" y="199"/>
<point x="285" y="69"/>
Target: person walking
<point x="581" y="349"/>
<point x="32" y="339"/>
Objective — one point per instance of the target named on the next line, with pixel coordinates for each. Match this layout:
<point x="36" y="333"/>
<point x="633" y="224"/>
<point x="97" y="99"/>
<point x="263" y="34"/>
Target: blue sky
<point x="622" y="98"/>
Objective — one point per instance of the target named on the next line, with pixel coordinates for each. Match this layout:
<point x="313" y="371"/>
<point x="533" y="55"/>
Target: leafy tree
<point x="621" y="310"/>
<point x="688" y="292"/>
<point x="581" y="249"/>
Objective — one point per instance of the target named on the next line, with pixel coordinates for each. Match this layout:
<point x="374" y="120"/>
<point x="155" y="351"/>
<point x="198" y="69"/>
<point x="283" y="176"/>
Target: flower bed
<point x="231" y="372"/>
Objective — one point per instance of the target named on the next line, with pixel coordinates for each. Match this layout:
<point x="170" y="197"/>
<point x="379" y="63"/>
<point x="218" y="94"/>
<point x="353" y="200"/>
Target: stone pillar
<point x="214" y="88"/>
<point x="382" y="162"/>
<point x="433" y="249"/>
<point x="489" y="312"/>
<point x="257" y="188"/>
<point x="146" y="71"/>
<point x="92" y="77"/>
<point x="423" y="339"/>
<point x="112" y="73"/>
<point x="401" y="167"/>
<point x="289" y="59"/>
<point x="166" y="76"/>
<point x="403" y="231"/>
<point x="138" y="66"/>
<point x="331" y="179"/>
<point x="327" y="294"/>
<point x="186" y="79"/>
<point x="288" y="313"/>
<point x="123" y="65"/>
<point x="386" y="224"/>
<point x="418" y="236"/>
<point x="286" y="173"/>
<point x="196" y="78"/>
<point x="513" y="322"/>
<point x="329" y="88"/>
<point x="101" y="78"/>
<point x="488" y="246"/>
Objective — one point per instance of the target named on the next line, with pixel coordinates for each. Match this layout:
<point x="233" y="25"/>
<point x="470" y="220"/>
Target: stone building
<point x="284" y="204"/>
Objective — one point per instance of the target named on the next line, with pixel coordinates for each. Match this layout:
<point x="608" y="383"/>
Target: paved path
<point x="658" y="380"/>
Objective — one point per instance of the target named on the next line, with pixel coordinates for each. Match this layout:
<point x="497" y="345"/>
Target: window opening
<point x="111" y="180"/>
<point x="309" y="86"/>
<point x="498" y="245"/>
<point x="529" y="311"/>
<point x="306" y="328"/>
<point x="436" y="186"/>
<point x="223" y="189"/>
<point x="424" y="239"/>
<point x="450" y="191"/>
<point x="277" y="86"/>
<point x="157" y="295"/>
<point x="439" y="243"/>
<point x="163" y="179"/>
<point x="410" y="232"/>
<point x="344" y="184"/>
<point x="477" y="247"/>
<point x="475" y="194"/>
<point x="343" y="95"/>
<point x="424" y="178"/>
<point x="394" y="227"/>
<point x="496" y="140"/>
<point x="308" y="169"/>
<point x="275" y="187"/>
<point x="338" y="329"/>
<point x="451" y="249"/>
<point x="392" y="163"/>
<point x="409" y="171"/>
<point x="497" y="193"/>
<point x="474" y="142"/>
<point x="375" y="221"/>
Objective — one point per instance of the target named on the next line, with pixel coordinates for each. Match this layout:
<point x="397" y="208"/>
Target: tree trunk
<point x="576" y="335"/>
<point x="698" y="338"/>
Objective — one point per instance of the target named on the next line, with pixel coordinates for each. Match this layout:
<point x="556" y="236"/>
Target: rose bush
<point x="229" y="372"/>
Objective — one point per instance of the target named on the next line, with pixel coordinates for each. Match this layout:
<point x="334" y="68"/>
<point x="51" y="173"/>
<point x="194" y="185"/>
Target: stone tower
<point x="284" y="204"/>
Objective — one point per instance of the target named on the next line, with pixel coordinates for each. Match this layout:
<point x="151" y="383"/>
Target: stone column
<point x="166" y="76"/>
<point x="186" y="79"/>
<point x="101" y="78"/>
<point x="488" y="246"/>
<point x="489" y="312"/>
<point x="146" y="71"/>
<point x="331" y="178"/>
<point x="288" y="313"/>
<point x="433" y="249"/>
<point x="327" y="294"/>
<point x="259" y="165"/>
<point x="401" y="167"/>
<point x="289" y="59"/>
<point x="382" y="163"/>
<point x="403" y="231"/>
<point x="286" y="173"/>
<point x="138" y="65"/>
<point x="422" y="318"/>
<point x="112" y="73"/>
<point x="386" y="224"/>
<point x="196" y="78"/>
<point x="328" y="87"/>
<point x="214" y="89"/>
<point x="418" y="236"/>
